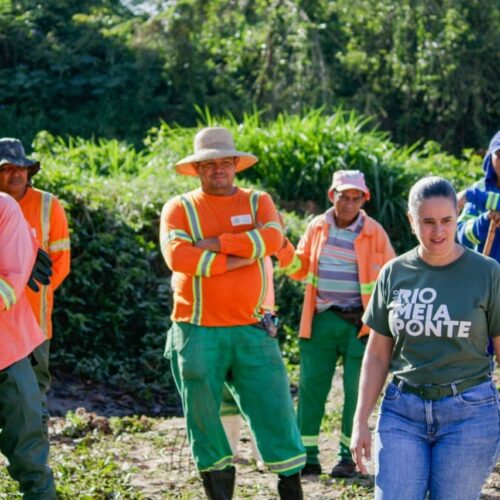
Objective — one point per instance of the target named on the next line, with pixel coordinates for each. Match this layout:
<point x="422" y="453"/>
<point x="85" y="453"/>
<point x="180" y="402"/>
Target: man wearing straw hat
<point x="215" y="240"/>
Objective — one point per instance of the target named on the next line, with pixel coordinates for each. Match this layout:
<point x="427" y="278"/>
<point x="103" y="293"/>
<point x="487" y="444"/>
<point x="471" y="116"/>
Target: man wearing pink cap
<point x="339" y="256"/>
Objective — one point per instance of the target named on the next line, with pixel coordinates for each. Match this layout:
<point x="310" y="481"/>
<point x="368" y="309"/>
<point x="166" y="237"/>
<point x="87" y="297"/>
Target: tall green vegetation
<point x="298" y="155"/>
<point x="113" y="311"/>
<point x="75" y="67"/>
<point x="428" y="68"/>
<point x="424" y="69"/>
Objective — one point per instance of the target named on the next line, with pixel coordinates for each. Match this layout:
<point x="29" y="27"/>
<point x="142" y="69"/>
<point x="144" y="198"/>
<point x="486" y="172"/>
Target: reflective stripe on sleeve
<point x="493" y="201"/>
<point x="275" y="225"/>
<point x="59" y="245"/>
<point x="312" y="279"/>
<point x="7" y="293"/>
<point x="367" y="288"/>
<point x="205" y="264"/>
<point x="469" y="232"/>
<point x="465" y="217"/>
<point x="259" y="247"/>
<point x="176" y="234"/>
<point x="293" y="267"/>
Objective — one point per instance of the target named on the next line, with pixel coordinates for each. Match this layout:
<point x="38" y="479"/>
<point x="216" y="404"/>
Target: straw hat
<point x="211" y="143"/>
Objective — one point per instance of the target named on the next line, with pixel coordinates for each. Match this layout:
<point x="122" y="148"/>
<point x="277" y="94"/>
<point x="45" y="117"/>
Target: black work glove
<point x="41" y="272"/>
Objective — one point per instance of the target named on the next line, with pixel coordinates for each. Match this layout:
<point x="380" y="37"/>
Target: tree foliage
<point x="428" y="68"/>
<point x="423" y="69"/>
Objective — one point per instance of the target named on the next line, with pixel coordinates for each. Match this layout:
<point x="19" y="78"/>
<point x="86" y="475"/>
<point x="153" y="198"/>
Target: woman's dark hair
<point x="429" y="187"/>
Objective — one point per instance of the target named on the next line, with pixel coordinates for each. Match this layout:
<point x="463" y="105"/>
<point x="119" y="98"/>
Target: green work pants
<point x="202" y="359"/>
<point x="40" y="362"/>
<point x="332" y="338"/>
<point x="21" y="437"/>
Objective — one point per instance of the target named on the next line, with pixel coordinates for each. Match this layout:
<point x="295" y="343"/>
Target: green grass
<point x="332" y="420"/>
<point x="86" y="469"/>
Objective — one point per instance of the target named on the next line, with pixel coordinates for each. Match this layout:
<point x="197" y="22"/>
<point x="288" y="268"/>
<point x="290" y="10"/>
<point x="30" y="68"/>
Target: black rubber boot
<point x="219" y="484"/>
<point x="289" y="487"/>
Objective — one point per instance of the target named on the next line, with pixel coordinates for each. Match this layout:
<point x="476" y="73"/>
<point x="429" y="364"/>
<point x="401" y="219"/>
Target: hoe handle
<point x="490" y="238"/>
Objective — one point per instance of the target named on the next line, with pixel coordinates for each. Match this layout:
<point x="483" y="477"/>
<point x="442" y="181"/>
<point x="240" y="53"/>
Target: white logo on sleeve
<point x="241" y="220"/>
<point x="416" y="313"/>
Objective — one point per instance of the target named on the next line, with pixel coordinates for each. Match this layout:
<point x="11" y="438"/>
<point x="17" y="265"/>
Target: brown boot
<point x="344" y="468"/>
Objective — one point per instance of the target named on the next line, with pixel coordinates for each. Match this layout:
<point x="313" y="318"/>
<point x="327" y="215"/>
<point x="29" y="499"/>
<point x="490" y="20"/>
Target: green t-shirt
<point x="440" y="317"/>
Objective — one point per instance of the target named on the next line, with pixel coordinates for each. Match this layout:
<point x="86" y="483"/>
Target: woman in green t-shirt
<point x="431" y="316"/>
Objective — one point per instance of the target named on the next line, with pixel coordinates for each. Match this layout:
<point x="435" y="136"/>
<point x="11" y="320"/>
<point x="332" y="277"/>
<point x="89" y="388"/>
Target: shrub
<point x="298" y="155"/>
<point x="112" y="313"/>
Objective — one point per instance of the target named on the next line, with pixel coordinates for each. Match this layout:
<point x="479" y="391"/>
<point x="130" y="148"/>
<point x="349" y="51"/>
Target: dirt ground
<point x="156" y="462"/>
<point x="69" y="392"/>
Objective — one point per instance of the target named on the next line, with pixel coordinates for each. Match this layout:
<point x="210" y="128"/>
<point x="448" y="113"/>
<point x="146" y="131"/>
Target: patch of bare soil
<point x="170" y="473"/>
<point x="156" y="461"/>
<point x="69" y="392"/>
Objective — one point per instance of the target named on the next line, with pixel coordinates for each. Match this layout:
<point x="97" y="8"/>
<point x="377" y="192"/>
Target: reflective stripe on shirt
<point x="46" y="211"/>
<point x="194" y="224"/>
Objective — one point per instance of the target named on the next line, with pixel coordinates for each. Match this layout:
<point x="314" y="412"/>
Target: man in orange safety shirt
<point x="216" y="239"/>
<point x="46" y="217"/>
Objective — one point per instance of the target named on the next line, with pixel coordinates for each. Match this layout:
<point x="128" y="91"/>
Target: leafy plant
<point x="112" y="313"/>
<point x="422" y="69"/>
<point x="129" y="425"/>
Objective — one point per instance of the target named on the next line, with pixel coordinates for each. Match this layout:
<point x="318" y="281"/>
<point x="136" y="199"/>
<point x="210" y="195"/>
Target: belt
<point x="435" y="392"/>
<point x="357" y="309"/>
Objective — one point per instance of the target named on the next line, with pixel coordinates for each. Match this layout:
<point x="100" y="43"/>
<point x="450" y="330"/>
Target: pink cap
<point x="349" y="179"/>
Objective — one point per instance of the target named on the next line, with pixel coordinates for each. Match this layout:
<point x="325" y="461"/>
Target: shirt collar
<point x="355" y="225"/>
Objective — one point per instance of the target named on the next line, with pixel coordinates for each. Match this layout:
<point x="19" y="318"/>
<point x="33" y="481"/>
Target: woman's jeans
<point x="446" y="447"/>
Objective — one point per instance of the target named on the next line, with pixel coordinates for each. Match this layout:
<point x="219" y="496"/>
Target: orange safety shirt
<point x="46" y="216"/>
<point x="372" y="247"/>
<point x="19" y="331"/>
<point x="205" y="292"/>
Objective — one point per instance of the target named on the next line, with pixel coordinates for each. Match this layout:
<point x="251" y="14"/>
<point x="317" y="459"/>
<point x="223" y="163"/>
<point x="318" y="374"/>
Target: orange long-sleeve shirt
<point x="373" y="249"/>
<point x="19" y="332"/>
<point x="205" y="292"/>
<point x="45" y="215"/>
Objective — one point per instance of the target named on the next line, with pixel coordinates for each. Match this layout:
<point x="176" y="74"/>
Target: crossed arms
<point x="217" y="254"/>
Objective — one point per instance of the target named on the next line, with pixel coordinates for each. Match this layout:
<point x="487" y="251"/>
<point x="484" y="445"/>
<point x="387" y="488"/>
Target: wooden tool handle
<point x="489" y="239"/>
